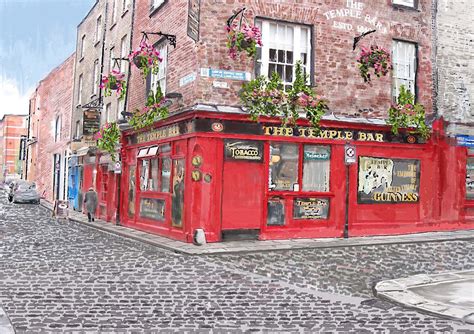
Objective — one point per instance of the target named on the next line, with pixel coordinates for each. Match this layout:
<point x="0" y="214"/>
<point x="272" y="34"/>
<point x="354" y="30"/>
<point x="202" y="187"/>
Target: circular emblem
<point x="411" y="139"/>
<point x="196" y="175"/>
<point x="350" y="152"/>
<point x="217" y="127"/>
<point x="196" y="161"/>
<point x="207" y="178"/>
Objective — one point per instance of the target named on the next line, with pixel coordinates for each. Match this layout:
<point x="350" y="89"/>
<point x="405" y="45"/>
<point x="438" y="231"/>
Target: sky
<point x="35" y="37"/>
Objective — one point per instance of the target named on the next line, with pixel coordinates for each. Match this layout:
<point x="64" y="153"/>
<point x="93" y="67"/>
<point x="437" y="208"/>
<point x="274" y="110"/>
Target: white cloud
<point x="11" y="100"/>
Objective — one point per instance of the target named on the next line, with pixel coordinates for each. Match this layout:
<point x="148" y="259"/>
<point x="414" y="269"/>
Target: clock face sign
<point x="196" y="161"/>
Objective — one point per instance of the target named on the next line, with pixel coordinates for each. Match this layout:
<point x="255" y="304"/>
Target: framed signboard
<point x="310" y="208"/>
<point x="152" y="208"/>
<point x="385" y="180"/>
<point x="243" y="150"/>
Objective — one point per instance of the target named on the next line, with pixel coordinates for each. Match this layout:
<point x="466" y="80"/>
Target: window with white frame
<point x="95" y="83"/>
<point x="121" y="108"/>
<point x="114" y="11"/>
<point x="283" y="45"/>
<point x="83" y="45"/>
<point x="111" y="58"/>
<point x="79" y="90"/>
<point x="155" y="4"/>
<point x="57" y="129"/>
<point x="107" y="111"/>
<point x="408" y="3"/>
<point x="78" y="130"/>
<point x="98" y="29"/>
<point x="404" y="67"/>
<point x="125" y="5"/>
<point x="123" y="53"/>
<point x="159" y="79"/>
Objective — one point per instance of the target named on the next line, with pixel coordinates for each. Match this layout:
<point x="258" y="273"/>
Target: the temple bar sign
<point x="335" y="134"/>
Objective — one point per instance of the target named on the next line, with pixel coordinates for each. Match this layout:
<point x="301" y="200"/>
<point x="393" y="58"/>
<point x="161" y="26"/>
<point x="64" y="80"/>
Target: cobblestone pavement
<point x="66" y="277"/>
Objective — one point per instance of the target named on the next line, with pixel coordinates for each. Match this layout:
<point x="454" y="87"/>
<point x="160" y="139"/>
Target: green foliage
<point x="154" y="110"/>
<point x="108" y="138"/>
<point x="407" y="114"/>
<point x="267" y="97"/>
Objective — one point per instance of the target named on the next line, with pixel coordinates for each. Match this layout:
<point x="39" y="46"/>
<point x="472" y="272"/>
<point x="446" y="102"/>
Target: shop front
<point x="229" y="176"/>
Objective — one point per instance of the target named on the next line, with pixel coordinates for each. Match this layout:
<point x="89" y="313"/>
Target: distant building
<point x="12" y="128"/>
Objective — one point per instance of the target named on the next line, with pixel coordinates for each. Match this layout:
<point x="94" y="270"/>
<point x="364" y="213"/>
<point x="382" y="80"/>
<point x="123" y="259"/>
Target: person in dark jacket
<point x="90" y="202"/>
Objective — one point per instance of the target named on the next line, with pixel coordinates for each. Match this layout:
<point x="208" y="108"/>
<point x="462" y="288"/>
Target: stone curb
<point x="398" y="291"/>
<point x="5" y="324"/>
<point x="251" y="246"/>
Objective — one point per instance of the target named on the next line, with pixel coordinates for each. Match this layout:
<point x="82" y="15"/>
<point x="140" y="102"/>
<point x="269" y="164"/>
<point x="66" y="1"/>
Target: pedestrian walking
<point x="91" y="201"/>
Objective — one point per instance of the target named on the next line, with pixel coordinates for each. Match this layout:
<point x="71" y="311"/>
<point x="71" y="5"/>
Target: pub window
<point x="404" y="67"/>
<point x="470" y="179"/>
<point x="283" y="45"/>
<point x="165" y="174"/>
<point x="284" y="167"/>
<point x="131" y="191"/>
<point x="316" y="167"/>
<point x="145" y="175"/>
<point x="408" y="3"/>
<point x="155" y="169"/>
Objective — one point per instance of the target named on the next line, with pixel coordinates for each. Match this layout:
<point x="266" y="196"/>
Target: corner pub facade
<point x="208" y="166"/>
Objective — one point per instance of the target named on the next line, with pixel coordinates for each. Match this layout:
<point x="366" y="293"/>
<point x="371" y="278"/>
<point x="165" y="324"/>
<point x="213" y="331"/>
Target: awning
<point x="147" y="152"/>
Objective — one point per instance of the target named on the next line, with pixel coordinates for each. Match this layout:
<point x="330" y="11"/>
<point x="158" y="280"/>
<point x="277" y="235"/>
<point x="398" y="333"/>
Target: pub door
<point x="243" y="195"/>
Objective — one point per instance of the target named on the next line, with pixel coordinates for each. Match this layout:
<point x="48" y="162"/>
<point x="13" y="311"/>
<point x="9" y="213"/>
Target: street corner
<point x="447" y="294"/>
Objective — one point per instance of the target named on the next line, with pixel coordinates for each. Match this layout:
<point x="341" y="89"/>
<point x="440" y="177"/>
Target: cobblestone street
<point x="64" y="277"/>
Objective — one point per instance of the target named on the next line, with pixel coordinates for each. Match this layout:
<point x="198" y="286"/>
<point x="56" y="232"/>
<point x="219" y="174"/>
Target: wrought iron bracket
<point x="358" y="38"/>
<point x="94" y="104"/>
<point x="169" y="37"/>
<point x="232" y="18"/>
<point x="116" y="62"/>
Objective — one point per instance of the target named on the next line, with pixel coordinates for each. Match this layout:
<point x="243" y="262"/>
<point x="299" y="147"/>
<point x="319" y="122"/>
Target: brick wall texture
<point x="55" y="100"/>
<point x="455" y="61"/>
<point x="334" y="63"/>
<point x="11" y="129"/>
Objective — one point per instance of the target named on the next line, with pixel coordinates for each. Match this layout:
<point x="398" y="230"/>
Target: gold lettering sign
<point x="157" y="134"/>
<point x="334" y="134"/>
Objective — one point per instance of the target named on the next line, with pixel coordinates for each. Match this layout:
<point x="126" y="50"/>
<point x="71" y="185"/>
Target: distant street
<point x="60" y="277"/>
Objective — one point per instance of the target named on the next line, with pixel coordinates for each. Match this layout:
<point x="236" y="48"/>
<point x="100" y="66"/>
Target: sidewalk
<point x="245" y="246"/>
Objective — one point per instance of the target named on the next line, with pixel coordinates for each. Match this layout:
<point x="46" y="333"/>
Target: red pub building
<point x="209" y="167"/>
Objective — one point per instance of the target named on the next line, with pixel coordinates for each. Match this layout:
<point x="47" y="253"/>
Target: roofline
<point x="88" y="13"/>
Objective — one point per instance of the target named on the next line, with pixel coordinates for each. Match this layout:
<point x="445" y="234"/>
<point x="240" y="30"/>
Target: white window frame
<point x="160" y="77"/>
<point x="407" y="3"/>
<point x="107" y="113"/>
<point x="123" y="53"/>
<point x="83" y="42"/>
<point x="404" y="61"/>
<point x="155" y="4"/>
<point x="79" y="89"/>
<point x="270" y="42"/>
<point x="98" y="29"/>
<point x="111" y="60"/>
<point x="114" y="11"/>
<point x="120" y="108"/>
<point x="57" y="129"/>
<point x="78" y="130"/>
<point x="95" y="83"/>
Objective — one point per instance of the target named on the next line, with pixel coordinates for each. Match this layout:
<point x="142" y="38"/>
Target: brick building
<point x="50" y="132"/>
<point x="104" y="34"/>
<point x="12" y="128"/>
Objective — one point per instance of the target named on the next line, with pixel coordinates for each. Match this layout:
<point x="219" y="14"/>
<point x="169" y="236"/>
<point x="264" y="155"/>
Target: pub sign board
<point x="385" y="180"/>
<point x="243" y="150"/>
<point x="310" y="208"/>
<point x="91" y="122"/>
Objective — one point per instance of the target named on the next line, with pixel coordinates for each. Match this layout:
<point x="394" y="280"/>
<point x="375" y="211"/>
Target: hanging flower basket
<point x="155" y="109"/>
<point x="115" y="81"/>
<point x="407" y="114"/>
<point x="375" y="58"/>
<point x="244" y="39"/>
<point x="266" y="97"/>
<point x="108" y="138"/>
<point x="146" y="58"/>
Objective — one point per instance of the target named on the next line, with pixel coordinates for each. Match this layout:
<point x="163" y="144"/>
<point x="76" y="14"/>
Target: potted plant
<point x="108" y="138"/>
<point x="114" y="82"/>
<point x="244" y="39"/>
<point x="267" y="97"/>
<point x="155" y="107"/>
<point x="146" y="58"/>
<point x="407" y="114"/>
<point x="375" y="58"/>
